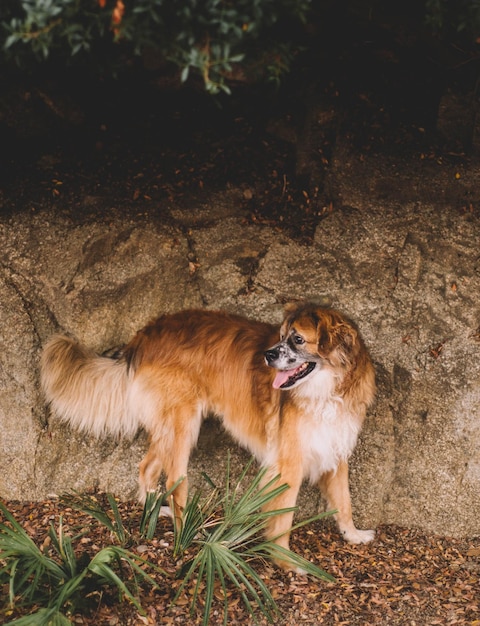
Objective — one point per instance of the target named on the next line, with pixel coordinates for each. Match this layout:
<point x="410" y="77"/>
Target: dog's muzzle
<point x="272" y="355"/>
<point x="291" y="367"/>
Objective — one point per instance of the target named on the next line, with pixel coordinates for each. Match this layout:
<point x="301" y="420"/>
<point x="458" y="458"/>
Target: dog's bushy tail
<point x="87" y="390"/>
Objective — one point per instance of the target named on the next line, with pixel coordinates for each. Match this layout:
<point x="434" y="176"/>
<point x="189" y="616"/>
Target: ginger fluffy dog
<point x="295" y="396"/>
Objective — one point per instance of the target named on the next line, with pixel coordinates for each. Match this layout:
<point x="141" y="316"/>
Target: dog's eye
<point x="298" y="340"/>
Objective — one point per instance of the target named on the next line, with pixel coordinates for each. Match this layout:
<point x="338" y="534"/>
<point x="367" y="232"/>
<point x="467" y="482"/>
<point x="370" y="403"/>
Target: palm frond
<point x="224" y="532"/>
<point x="191" y="524"/>
<point x="152" y="510"/>
<point x="54" y="581"/>
<point x="43" y="617"/>
<point x="101" y="566"/>
<point x="150" y="514"/>
<point x="27" y="567"/>
<point x="272" y="551"/>
<point x="62" y="544"/>
<point x="119" y="528"/>
<point x="89" y="504"/>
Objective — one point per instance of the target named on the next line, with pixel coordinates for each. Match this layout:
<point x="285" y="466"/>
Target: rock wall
<point x="408" y="271"/>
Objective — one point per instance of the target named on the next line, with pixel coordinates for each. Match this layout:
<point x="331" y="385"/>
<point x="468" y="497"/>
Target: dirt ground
<point x="404" y="577"/>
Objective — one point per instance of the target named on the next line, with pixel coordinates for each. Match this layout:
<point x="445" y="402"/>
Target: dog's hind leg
<point x="169" y="451"/>
<point x="335" y="488"/>
<point x="150" y="469"/>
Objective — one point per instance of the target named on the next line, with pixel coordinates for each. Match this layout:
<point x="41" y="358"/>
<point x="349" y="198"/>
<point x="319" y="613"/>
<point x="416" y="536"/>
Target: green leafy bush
<point x="447" y="17"/>
<point x="215" y="39"/>
<point x="52" y="582"/>
<point x="222" y="534"/>
<point x="216" y="546"/>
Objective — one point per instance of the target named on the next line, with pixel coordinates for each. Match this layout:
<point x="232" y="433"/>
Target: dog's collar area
<point x="284" y="379"/>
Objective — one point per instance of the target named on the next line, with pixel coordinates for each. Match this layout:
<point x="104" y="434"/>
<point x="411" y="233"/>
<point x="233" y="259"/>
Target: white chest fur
<point x="327" y="432"/>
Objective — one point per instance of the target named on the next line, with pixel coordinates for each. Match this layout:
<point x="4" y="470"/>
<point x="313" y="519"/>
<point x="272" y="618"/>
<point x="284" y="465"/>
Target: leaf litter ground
<point x="405" y="577"/>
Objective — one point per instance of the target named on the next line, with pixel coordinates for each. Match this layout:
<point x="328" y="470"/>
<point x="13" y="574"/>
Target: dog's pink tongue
<point x="281" y="378"/>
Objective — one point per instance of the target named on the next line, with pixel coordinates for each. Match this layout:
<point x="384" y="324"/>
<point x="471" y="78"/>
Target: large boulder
<point x="407" y="272"/>
<point x="99" y="280"/>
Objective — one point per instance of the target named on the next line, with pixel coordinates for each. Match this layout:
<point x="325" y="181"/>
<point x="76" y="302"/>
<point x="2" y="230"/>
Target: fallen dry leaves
<point x="404" y="577"/>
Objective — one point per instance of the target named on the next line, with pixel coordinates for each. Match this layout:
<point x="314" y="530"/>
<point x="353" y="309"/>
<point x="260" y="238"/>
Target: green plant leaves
<point x="55" y="581"/>
<point x="91" y="506"/>
<point x="217" y="543"/>
<point x="43" y="617"/>
<point x="224" y="533"/>
<point x="209" y="39"/>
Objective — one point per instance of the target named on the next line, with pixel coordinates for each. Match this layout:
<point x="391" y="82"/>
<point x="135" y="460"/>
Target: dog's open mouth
<point x="286" y="378"/>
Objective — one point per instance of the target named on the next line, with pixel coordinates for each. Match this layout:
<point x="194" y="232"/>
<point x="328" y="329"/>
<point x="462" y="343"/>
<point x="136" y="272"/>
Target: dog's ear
<point x="337" y="340"/>
<point x="347" y="335"/>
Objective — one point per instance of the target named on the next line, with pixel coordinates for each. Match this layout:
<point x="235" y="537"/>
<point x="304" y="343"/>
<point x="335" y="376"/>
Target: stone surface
<point x="403" y="262"/>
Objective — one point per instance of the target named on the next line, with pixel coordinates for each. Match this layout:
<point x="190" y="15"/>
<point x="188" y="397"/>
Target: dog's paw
<point x="354" y="535"/>
<point x="165" y="511"/>
<point x="288" y="566"/>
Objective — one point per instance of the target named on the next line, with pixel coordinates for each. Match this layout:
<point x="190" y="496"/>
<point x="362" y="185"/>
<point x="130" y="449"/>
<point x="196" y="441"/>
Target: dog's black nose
<point x="271" y="355"/>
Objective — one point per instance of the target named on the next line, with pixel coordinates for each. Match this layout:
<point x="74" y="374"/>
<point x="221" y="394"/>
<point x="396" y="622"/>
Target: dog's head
<point x="311" y="337"/>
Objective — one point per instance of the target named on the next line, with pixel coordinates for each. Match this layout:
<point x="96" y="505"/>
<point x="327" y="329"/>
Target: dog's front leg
<point x="335" y="488"/>
<point x="279" y="525"/>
